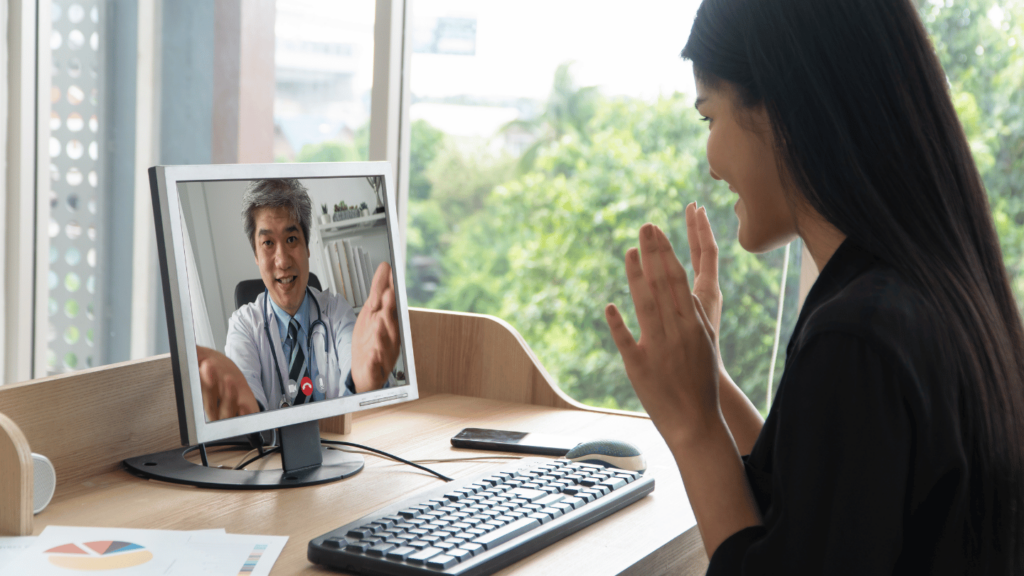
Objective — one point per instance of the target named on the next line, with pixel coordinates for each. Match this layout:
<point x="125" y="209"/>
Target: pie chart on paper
<point x="99" y="555"/>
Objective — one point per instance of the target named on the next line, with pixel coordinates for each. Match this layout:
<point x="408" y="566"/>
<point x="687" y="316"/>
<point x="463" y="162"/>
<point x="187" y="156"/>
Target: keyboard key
<point x="565" y="508"/>
<point x="539" y="517"/>
<point x="421" y="556"/>
<point x="614" y="483"/>
<point x="400" y="553"/>
<point x="446" y="546"/>
<point x="460" y="554"/>
<point x="335" y="542"/>
<point x="418" y="544"/>
<point x="575" y="502"/>
<point x="358" y="547"/>
<point x="472" y="547"/>
<point x="553" y="512"/>
<point x="549" y="499"/>
<point x="442" y="561"/>
<point x="360" y="533"/>
<point x="380" y="549"/>
<point x="502" y="535"/>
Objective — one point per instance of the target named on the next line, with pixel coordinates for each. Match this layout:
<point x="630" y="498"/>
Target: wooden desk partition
<point x="87" y="422"/>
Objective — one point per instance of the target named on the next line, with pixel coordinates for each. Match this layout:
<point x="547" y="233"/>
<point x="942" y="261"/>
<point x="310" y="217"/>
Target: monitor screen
<point x="284" y="301"/>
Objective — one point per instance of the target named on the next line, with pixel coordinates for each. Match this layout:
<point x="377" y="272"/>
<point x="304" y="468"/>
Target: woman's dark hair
<point x="866" y="132"/>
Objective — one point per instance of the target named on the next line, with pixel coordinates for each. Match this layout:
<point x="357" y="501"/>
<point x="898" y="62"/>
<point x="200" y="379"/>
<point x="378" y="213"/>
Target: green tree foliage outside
<point x="544" y="249"/>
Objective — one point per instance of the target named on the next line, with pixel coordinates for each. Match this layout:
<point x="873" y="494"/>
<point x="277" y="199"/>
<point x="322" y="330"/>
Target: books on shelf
<point x="351" y="269"/>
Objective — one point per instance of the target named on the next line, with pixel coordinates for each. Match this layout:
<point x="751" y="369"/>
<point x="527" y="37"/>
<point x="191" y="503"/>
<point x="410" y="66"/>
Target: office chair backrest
<point x="247" y="290"/>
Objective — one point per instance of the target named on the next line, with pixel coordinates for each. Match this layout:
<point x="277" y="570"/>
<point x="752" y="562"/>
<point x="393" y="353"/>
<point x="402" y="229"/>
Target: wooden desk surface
<point x="660" y="528"/>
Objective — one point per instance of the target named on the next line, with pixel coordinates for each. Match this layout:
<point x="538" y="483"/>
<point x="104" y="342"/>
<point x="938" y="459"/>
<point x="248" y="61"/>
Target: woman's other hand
<point x="674" y="367"/>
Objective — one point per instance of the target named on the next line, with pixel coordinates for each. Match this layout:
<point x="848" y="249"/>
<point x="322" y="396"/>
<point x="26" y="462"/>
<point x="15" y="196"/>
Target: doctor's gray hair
<point x="276" y="193"/>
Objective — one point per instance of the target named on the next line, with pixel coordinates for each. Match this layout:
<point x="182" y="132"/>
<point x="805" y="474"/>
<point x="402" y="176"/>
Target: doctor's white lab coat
<point x="250" y="349"/>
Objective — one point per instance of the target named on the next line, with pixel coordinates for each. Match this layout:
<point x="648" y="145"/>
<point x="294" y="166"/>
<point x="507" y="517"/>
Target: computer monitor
<point x="260" y="260"/>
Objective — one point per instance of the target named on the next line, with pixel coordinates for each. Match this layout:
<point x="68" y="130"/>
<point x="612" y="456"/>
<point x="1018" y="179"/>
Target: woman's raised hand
<point x="674" y="366"/>
<point x="704" y="257"/>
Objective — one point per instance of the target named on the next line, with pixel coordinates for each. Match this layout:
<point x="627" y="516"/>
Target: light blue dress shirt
<point x="302" y="315"/>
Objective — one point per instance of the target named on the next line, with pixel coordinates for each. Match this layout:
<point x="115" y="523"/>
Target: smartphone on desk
<point x="509" y="441"/>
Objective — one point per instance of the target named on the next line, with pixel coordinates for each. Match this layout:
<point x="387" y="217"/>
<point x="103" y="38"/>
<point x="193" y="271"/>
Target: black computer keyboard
<point x="483" y="523"/>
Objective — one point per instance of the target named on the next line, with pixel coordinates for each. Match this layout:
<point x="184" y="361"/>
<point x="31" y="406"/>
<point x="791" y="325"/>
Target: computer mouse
<point x="610" y="454"/>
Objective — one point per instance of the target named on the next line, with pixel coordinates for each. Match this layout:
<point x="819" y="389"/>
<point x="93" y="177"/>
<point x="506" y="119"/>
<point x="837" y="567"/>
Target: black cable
<point x="386" y="455"/>
<point x="259" y="456"/>
<point x="202" y="454"/>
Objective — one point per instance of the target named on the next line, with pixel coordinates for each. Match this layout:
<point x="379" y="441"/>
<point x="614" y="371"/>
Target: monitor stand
<point x="304" y="463"/>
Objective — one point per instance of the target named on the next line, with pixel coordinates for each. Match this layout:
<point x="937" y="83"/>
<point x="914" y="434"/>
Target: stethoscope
<point x="287" y="397"/>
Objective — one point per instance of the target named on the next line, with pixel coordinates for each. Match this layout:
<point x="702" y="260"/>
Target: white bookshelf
<point x="372" y="234"/>
<point x="351" y="226"/>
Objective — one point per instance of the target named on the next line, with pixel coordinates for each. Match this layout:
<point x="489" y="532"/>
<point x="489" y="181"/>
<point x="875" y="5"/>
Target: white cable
<point x="778" y="327"/>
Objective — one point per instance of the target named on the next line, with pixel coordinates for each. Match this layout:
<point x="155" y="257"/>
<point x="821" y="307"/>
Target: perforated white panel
<point x="75" y="201"/>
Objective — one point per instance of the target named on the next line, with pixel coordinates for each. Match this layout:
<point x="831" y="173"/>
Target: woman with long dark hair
<point x="896" y="440"/>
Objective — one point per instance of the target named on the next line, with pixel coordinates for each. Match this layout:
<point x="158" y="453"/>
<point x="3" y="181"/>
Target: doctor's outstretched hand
<point x="225" y="391"/>
<point x="375" y="336"/>
<point x="674" y="366"/>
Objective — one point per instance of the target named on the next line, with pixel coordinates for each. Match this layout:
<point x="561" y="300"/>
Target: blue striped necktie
<point x="298" y="372"/>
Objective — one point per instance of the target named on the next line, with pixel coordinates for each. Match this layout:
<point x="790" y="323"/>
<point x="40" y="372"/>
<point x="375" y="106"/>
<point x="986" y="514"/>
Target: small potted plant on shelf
<point x="364" y="210"/>
<point x="343" y="211"/>
<point x="325" y="218"/>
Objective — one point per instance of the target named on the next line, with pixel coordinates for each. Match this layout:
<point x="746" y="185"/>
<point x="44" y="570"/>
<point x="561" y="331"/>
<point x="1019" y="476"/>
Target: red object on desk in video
<point x="307" y="386"/>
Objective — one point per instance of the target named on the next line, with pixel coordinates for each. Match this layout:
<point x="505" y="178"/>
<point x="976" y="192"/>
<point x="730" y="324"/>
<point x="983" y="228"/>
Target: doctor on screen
<point x="296" y="344"/>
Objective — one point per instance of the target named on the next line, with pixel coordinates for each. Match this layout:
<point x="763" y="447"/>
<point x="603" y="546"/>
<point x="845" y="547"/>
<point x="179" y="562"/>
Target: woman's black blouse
<point x="860" y="467"/>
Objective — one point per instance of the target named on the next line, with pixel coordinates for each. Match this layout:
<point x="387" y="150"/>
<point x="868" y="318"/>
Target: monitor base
<point x="172" y="466"/>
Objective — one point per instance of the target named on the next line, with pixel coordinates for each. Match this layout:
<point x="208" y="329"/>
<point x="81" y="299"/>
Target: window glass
<point x="539" y="147"/>
<point x="324" y="73"/>
<point x="979" y="45"/>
